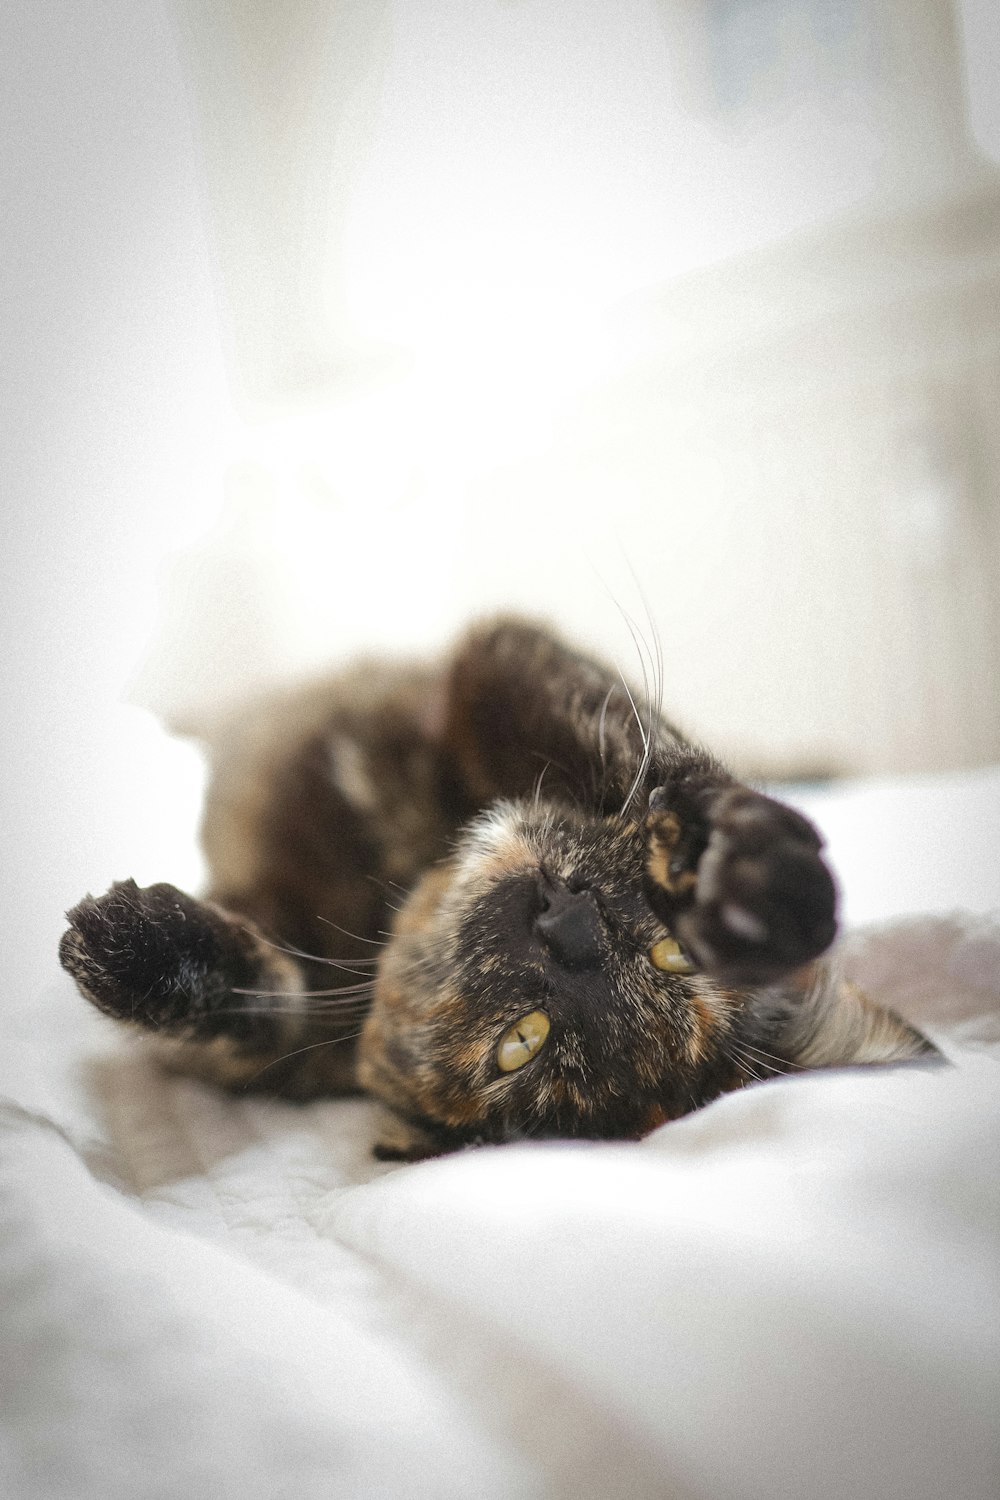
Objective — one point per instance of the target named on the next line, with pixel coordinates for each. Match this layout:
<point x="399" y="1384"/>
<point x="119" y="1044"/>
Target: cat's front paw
<point x="760" y="901"/>
<point x="141" y="955"/>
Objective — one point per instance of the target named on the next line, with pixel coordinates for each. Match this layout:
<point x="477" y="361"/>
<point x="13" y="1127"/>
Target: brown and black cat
<point x="491" y="895"/>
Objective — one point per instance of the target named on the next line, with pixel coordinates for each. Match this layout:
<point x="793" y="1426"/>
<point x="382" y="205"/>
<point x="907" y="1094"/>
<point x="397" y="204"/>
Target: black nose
<point x="570" y="925"/>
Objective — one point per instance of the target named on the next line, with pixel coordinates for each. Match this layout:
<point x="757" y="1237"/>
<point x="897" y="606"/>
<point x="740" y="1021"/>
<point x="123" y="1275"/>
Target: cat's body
<point x="493" y="895"/>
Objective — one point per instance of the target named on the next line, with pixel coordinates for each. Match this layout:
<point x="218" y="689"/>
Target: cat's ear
<point x="401" y="1140"/>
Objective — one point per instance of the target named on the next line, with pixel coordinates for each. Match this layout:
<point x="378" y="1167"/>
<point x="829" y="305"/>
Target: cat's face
<point x="529" y="990"/>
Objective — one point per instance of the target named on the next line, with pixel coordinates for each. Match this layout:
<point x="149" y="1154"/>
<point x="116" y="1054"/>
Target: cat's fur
<point x="406" y="861"/>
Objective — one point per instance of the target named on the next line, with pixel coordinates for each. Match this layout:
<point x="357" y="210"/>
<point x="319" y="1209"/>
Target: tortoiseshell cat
<point x="592" y="927"/>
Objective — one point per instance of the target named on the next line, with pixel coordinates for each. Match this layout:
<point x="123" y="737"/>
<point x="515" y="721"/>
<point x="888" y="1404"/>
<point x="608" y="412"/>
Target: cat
<point x="493" y="895"/>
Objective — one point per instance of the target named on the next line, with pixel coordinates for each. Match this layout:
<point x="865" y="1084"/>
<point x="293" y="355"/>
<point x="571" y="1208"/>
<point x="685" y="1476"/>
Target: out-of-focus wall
<point x="689" y="310"/>
<point x="113" y="411"/>
<point x="329" y="323"/>
<point x="804" y="464"/>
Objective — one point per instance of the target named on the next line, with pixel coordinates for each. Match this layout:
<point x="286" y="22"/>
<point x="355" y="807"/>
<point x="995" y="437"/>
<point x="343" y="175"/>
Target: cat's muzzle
<point x="570" y="925"/>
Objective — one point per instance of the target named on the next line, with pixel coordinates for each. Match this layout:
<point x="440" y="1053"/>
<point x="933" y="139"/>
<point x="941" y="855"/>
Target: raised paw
<point x="755" y="901"/>
<point x="149" y="955"/>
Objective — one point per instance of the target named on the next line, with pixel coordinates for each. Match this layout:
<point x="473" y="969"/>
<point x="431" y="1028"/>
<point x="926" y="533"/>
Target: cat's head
<point x="529" y="990"/>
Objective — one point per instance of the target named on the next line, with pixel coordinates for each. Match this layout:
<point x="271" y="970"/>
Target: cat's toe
<point x="138" y="954"/>
<point x="765" y="901"/>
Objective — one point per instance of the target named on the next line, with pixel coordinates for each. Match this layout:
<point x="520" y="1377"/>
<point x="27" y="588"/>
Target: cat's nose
<point x="570" y="925"/>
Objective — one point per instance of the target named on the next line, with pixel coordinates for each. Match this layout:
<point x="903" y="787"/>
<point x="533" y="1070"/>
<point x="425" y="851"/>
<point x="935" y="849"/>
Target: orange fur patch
<point x="704" y="1024"/>
<point x="424" y="902"/>
<point x="663" y="836"/>
<point x="513" y="857"/>
<point x="657" y="1116"/>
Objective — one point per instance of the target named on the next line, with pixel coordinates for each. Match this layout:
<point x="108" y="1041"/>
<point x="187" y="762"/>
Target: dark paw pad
<point x="145" y="955"/>
<point x="765" y="901"/>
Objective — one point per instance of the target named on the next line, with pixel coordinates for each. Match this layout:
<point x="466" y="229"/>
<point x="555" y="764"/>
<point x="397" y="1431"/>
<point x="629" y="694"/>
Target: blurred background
<point x="328" y="324"/>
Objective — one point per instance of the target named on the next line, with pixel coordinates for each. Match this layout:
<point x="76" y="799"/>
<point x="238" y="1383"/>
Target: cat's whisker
<point x="602" y="723"/>
<point x="602" y="744"/>
<point x="285" y="947"/>
<point x="331" y="998"/>
<point x="646" y="752"/>
<point x="293" y="952"/>
<point x="357" y="937"/>
<point x="366" y="971"/>
<point x="748" y="1066"/>
<point x="656" y="661"/>
<point x="328" y="1042"/>
<point x="365" y="967"/>
<point x="632" y="628"/>
<point x="641" y="650"/>
<point x="570" y="775"/>
<point x="782" y="1062"/>
<point x="386" y="883"/>
<point x="345" y="1016"/>
<point x="774" y="1067"/>
<point x="645" y="731"/>
<point x="353" y="965"/>
<point x="340" y="993"/>
<point x="356" y="1011"/>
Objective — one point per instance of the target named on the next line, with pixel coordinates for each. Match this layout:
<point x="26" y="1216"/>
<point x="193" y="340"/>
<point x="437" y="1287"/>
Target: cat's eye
<point x="668" y="955"/>
<point x="522" y="1041"/>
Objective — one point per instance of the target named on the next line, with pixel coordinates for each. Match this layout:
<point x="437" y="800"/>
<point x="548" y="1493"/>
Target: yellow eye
<point x="668" y="955"/>
<point x="522" y="1041"/>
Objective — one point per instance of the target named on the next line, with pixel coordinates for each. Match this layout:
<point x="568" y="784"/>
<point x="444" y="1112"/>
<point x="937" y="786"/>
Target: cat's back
<point x="319" y="792"/>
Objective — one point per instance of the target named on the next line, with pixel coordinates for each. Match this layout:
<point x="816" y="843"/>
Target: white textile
<point x="794" y="1292"/>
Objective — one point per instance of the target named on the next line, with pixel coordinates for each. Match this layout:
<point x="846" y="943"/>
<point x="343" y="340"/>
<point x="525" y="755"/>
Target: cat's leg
<point x="738" y="877"/>
<point x="522" y="709"/>
<point x="222" y="1001"/>
<point x="833" y="1023"/>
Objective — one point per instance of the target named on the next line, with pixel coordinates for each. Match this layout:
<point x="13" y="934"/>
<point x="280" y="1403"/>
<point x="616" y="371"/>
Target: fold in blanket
<point x="794" y="1291"/>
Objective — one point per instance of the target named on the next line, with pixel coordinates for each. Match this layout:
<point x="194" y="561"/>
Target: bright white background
<point x="328" y="326"/>
<point x="309" y="348"/>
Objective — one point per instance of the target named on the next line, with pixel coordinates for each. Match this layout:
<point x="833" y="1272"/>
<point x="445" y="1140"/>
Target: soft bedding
<point x="794" y="1292"/>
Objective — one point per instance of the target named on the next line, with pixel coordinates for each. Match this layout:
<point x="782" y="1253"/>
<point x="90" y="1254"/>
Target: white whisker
<point x="602" y="723"/>
<point x="329" y="1042"/>
<point x="312" y="958"/>
<point x="748" y="1065"/>
<point x="771" y="1057"/>
<point x="404" y="890"/>
<point x="646" y="753"/>
<point x="357" y="936"/>
<point x="356" y="1010"/>
<point x="656" y="661"/>
<point x="341" y="990"/>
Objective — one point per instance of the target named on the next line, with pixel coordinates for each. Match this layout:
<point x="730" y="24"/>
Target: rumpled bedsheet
<point x="794" y="1292"/>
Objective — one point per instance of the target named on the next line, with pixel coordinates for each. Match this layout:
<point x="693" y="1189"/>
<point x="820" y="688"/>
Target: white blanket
<point x="794" y="1292"/>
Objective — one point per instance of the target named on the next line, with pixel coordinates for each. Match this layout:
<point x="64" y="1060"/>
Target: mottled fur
<point x="406" y="861"/>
